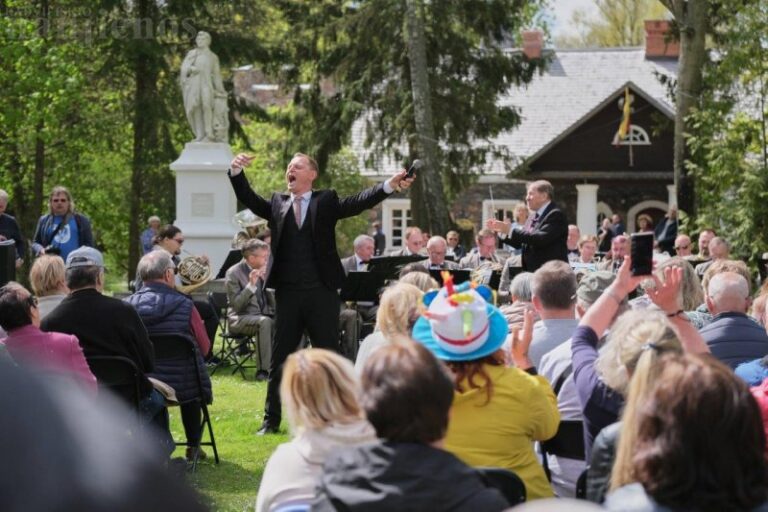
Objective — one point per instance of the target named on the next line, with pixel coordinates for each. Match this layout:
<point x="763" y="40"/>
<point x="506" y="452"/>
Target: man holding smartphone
<point x="304" y="266"/>
<point x="544" y="236"/>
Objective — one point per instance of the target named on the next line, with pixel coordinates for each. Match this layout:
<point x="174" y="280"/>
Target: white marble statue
<point x="205" y="100"/>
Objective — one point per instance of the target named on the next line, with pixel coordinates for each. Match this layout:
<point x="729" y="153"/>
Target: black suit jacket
<point x="547" y="241"/>
<point x="326" y="208"/>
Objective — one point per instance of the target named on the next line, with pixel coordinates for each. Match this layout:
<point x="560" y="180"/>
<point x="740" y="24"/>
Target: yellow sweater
<point x="500" y="434"/>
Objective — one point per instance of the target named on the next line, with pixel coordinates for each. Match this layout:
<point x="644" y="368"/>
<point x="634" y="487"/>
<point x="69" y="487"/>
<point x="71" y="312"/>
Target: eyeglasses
<point x="683" y="247"/>
<point x="178" y="240"/>
<point x="59" y="200"/>
<point x="32" y="301"/>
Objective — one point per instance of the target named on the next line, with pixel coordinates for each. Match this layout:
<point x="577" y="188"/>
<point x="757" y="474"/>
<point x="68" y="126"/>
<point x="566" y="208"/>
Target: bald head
<point x="683" y="245"/>
<point x="728" y="292"/>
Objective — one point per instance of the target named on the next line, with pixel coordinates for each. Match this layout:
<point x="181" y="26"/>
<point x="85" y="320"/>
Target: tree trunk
<point x="144" y="132"/>
<point x="691" y="17"/>
<point x="429" y="206"/>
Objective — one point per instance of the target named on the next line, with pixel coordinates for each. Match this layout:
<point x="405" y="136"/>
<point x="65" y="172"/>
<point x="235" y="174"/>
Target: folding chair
<point x="507" y="482"/>
<point x="232" y="343"/>
<point x="568" y="442"/>
<point x="174" y="347"/>
<point x="120" y="376"/>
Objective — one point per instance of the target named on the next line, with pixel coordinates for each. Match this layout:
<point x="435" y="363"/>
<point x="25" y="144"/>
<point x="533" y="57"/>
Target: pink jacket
<point x="50" y="352"/>
<point x="761" y="395"/>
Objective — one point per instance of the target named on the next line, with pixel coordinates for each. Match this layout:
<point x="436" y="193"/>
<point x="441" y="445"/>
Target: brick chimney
<point x="656" y="43"/>
<point x="533" y="43"/>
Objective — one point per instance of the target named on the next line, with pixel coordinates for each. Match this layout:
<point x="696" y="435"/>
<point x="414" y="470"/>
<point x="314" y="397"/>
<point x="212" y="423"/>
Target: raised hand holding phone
<point x="641" y="251"/>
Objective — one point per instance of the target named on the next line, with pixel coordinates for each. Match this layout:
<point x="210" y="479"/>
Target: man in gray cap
<point x="557" y="367"/>
<point x="105" y="326"/>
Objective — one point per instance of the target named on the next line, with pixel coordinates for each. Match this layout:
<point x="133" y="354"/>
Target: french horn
<point x="194" y="271"/>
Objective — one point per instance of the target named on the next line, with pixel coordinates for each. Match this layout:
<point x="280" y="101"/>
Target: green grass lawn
<point x="237" y="411"/>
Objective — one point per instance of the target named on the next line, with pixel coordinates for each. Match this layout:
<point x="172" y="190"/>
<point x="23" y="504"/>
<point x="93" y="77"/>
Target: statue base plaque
<point x="205" y="202"/>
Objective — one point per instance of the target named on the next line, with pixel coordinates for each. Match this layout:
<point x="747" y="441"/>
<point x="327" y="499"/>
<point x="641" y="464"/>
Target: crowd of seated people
<point x="448" y="384"/>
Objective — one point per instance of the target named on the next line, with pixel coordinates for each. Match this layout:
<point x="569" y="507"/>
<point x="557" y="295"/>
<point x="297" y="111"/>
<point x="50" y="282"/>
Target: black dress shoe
<point x="268" y="428"/>
<point x="262" y="375"/>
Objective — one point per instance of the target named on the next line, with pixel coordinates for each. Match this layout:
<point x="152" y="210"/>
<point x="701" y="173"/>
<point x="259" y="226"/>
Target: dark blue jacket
<point x="734" y="338"/>
<point x="166" y="311"/>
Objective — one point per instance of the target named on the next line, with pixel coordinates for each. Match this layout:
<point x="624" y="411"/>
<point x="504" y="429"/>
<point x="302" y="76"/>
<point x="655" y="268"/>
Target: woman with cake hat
<point x="497" y="411"/>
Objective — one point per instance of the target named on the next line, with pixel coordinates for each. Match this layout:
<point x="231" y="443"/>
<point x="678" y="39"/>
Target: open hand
<point x="666" y="295"/>
<point x="521" y="341"/>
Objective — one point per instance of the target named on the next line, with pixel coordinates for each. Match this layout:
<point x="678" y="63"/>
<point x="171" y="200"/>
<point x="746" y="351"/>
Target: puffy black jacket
<point x="735" y="338"/>
<point x="166" y="311"/>
<point x="402" y="476"/>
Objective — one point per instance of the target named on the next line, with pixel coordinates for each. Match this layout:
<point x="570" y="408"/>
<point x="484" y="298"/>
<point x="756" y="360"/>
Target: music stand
<point x="234" y="256"/>
<point x="391" y="265"/>
<point x="459" y="275"/>
<point x="363" y="286"/>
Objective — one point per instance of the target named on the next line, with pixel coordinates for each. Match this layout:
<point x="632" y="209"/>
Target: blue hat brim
<point x="499" y="329"/>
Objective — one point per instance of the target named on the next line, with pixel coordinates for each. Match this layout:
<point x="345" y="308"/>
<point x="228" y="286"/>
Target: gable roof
<point x="575" y="84"/>
<point x="661" y="106"/>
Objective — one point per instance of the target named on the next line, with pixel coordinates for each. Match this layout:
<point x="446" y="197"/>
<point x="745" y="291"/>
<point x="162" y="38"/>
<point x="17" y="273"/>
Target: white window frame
<point x="387" y="217"/>
<point x="637" y="136"/>
<point x="498" y="204"/>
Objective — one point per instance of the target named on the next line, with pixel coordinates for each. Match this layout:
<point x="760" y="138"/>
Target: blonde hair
<point x="421" y="280"/>
<point x="640" y="339"/>
<point x="631" y="336"/>
<point x="47" y="275"/>
<point x="398" y="309"/>
<point x="319" y="388"/>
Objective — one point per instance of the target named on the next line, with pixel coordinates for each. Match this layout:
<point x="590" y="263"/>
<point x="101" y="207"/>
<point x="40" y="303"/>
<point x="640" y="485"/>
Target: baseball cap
<point x="593" y="285"/>
<point x="85" y="257"/>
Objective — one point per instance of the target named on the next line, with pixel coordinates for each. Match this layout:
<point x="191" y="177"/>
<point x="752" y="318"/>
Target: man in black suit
<point x="545" y="233"/>
<point x="304" y="267"/>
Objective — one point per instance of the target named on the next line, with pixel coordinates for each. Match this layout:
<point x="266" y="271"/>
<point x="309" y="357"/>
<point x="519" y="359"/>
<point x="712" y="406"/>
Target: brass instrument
<point x="251" y="226"/>
<point x="194" y="271"/>
<point x="482" y="274"/>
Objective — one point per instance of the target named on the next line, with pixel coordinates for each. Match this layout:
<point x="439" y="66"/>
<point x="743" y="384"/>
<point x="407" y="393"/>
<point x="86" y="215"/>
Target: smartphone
<point x="641" y="251"/>
<point x="415" y="166"/>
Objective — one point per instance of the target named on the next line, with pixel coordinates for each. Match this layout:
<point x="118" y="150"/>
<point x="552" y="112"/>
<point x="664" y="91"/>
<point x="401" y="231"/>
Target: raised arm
<point x="355" y="204"/>
<point x="245" y="194"/>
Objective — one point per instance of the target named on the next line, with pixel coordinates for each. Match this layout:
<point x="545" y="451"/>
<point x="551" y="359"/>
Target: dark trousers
<point x="315" y="310"/>
<point x="191" y="418"/>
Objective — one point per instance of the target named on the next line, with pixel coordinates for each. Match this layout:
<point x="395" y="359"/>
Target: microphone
<point x="415" y="166"/>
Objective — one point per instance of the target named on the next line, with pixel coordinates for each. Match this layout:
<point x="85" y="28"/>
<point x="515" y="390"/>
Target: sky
<point x="561" y="10"/>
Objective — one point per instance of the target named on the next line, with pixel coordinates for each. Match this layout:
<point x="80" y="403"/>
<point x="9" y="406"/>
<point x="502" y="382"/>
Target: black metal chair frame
<point x="129" y="376"/>
<point x="506" y="482"/>
<point x="231" y="343"/>
<point x="179" y="346"/>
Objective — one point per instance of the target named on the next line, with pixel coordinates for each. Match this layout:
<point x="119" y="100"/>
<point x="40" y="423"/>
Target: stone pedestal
<point x="205" y="202"/>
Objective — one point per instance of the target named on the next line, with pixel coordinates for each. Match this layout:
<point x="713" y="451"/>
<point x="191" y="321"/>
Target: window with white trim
<point x="499" y="209"/>
<point x="637" y="136"/>
<point x="396" y="217"/>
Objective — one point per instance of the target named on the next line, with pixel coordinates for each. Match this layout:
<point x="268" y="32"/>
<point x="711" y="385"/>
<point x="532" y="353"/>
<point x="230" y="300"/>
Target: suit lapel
<point x="313" y="200"/>
<point x="285" y="206"/>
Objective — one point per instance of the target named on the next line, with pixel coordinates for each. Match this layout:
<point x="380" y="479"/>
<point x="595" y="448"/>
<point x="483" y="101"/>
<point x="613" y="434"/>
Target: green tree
<point x="363" y="48"/>
<point x="618" y="23"/>
<point x="727" y="134"/>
